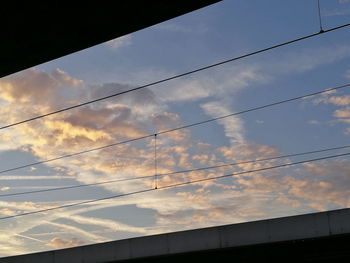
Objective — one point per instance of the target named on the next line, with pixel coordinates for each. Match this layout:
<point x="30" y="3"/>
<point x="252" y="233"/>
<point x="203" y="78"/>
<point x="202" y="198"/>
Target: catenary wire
<point x="319" y="16"/>
<point x="256" y="108"/>
<point x="176" y="172"/>
<point x="173" y="185"/>
<point x="257" y="170"/>
<point x="175" y="76"/>
<point x="155" y="163"/>
<point x="175" y="129"/>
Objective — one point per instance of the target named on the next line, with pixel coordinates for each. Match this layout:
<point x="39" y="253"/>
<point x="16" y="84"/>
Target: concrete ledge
<point x="149" y="246"/>
<point x="298" y="227"/>
<point x="244" y="234"/>
<point x="187" y="241"/>
<point x="339" y="221"/>
<point x="291" y="228"/>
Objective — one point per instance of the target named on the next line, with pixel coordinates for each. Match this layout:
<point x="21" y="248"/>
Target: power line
<point x="171" y="186"/>
<point x="76" y="204"/>
<point x="155" y="162"/>
<point x="257" y="160"/>
<point x="74" y="186"/>
<point x="256" y="170"/>
<point x="175" y="129"/>
<point x="256" y="108"/>
<point x="176" y="172"/>
<point x="319" y="16"/>
<point x="174" y="77"/>
<point x="74" y="154"/>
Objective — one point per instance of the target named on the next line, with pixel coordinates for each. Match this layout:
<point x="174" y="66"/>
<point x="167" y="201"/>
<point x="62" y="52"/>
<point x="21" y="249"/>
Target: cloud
<point x="233" y="126"/>
<point x="341" y="114"/>
<point x="219" y="84"/>
<point x="65" y="243"/>
<point x="339" y="11"/>
<point x="310" y="58"/>
<point x="63" y="77"/>
<point x="183" y="29"/>
<point x="106" y="223"/>
<point x="119" y="42"/>
<point x="234" y="199"/>
<point x="248" y="151"/>
<point x="173" y="27"/>
<point x="347" y="74"/>
<point x="15" y="89"/>
<point x="336" y="12"/>
<point x="340" y="100"/>
<point x="33" y="177"/>
<point x="314" y="122"/>
<point x="8" y="243"/>
<point x="330" y="188"/>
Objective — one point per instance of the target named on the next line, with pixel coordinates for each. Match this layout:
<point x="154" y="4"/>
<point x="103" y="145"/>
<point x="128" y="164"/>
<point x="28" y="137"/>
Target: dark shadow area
<point x="37" y="32"/>
<point x="325" y="249"/>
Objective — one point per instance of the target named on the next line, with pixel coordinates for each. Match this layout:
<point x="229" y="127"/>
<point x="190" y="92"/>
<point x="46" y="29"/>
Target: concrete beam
<point x="308" y="226"/>
<point x="37" y="32"/>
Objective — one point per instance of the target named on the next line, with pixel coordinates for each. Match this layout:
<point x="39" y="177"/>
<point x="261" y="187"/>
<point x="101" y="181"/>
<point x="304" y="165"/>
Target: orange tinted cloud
<point x="65" y="242"/>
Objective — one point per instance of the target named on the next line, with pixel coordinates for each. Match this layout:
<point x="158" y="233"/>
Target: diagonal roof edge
<point x="35" y="33"/>
<point x="329" y="226"/>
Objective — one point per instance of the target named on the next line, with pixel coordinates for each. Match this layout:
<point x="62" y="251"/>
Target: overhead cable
<point x="174" y="77"/>
<point x="170" y="186"/>
<point x="175" y="172"/>
<point x="175" y="129"/>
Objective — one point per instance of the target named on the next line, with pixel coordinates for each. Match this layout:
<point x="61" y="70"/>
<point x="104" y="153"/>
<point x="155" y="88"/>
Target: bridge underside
<point x="317" y="237"/>
<point x="325" y="249"/>
<point x="36" y="32"/>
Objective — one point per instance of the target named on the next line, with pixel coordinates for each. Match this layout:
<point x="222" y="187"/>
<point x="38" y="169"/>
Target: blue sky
<point x="224" y="30"/>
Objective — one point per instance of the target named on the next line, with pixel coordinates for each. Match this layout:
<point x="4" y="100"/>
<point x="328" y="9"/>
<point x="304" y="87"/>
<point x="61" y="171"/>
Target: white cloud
<point x="119" y="42"/>
<point x="314" y="122"/>
<point x="219" y="83"/>
<point x="307" y="59"/>
<point x="336" y="12"/>
<point x="347" y="74"/>
<point x="63" y="77"/>
<point x="64" y="243"/>
<point x="342" y="113"/>
<point x="134" y="115"/>
<point x="173" y="27"/>
<point x="233" y="126"/>
<point x="33" y="177"/>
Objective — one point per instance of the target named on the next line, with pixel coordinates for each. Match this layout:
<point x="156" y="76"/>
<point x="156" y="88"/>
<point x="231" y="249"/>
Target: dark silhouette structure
<point x="317" y="237"/>
<point x="36" y="32"/>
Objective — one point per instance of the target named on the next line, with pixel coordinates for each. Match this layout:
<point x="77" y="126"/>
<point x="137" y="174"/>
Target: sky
<point x="209" y="35"/>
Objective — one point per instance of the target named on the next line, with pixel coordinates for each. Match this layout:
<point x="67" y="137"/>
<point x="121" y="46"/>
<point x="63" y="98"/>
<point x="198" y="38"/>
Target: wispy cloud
<point x="119" y="42"/>
<point x="246" y="197"/>
<point x="183" y="29"/>
<point x="63" y="243"/>
<point x="336" y="12"/>
<point x="347" y="74"/>
<point x="342" y="114"/>
<point x="233" y="126"/>
<point x="33" y="177"/>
